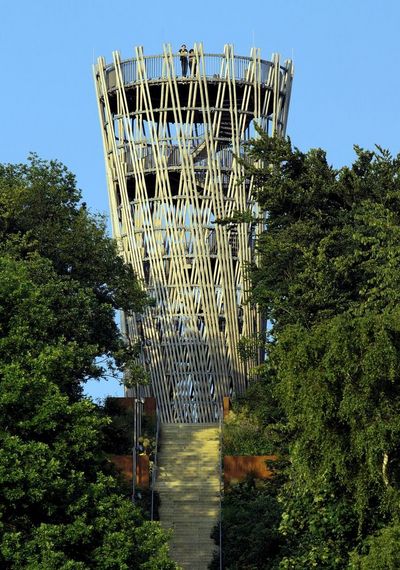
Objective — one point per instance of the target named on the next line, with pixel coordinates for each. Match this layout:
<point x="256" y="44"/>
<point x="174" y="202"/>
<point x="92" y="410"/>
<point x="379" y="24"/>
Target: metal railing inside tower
<point x="214" y="67"/>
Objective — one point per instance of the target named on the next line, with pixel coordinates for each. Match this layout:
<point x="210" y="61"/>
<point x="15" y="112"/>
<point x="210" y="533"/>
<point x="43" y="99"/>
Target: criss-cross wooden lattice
<point x="170" y="144"/>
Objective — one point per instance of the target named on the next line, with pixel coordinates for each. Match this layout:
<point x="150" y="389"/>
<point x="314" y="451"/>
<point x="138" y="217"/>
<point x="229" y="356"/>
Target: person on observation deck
<point x="183" y="54"/>
<point x="192" y="62"/>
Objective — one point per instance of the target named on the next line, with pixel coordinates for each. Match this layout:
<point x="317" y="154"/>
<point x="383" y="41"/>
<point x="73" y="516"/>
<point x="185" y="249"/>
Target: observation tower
<point x="171" y="145"/>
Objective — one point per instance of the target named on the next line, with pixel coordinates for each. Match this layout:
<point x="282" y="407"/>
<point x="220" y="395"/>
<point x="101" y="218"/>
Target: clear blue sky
<point x="346" y="87"/>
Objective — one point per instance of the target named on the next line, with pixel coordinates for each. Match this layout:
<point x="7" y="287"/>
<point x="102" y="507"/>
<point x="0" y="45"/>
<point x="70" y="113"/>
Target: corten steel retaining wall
<point x="123" y="464"/>
<point x="238" y="467"/>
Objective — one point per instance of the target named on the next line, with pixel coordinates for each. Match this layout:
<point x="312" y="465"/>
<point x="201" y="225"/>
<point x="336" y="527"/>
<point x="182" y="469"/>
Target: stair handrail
<point x="221" y="415"/>
<point x="155" y="466"/>
<point x="137" y="432"/>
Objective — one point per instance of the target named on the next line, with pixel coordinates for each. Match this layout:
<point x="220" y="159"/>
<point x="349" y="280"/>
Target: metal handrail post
<point x="155" y="467"/>
<point x="133" y="473"/>
<point x="134" y="452"/>
<point x="220" y="490"/>
<point x="137" y="428"/>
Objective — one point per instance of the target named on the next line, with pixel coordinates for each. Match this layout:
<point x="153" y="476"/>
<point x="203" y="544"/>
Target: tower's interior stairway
<point x="188" y="482"/>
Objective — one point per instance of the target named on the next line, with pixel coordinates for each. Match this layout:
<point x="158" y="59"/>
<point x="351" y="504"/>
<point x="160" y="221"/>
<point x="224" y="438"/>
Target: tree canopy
<point x="61" y="280"/>
<point x="327" y="280"/>
<point x="41" y="214"/>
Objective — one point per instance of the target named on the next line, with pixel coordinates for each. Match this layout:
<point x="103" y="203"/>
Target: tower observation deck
<point x="170" y="147"/>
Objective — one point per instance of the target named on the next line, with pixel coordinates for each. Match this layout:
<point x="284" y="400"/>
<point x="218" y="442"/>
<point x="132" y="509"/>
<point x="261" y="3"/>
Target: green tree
<point x="252" y="510"/>
<point x="250" y="521"/>
<point x="255" y="425"/>
<point x="40" y="212"/>
<point x="60" y="505"/>
<point x="327" y="279"/>
<point x="381" y="551"/>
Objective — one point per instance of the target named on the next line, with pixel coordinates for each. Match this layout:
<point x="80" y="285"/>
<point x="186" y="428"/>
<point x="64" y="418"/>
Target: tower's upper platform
<point x="213" y="67"/>
<point x="257" y="86"/>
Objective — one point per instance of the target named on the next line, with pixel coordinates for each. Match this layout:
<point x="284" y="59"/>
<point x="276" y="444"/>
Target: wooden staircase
<point x="188" y="483"/>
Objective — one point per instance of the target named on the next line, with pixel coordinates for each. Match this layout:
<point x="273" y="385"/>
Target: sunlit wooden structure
<point x="170" y="147"/>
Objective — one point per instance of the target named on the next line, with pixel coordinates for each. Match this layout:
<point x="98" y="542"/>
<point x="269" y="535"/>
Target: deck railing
<point x="225" y="157"/>
<point x="212" y="66"/>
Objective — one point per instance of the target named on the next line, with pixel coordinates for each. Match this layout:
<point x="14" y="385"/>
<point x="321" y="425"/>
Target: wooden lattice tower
<point x="170" y="144"/>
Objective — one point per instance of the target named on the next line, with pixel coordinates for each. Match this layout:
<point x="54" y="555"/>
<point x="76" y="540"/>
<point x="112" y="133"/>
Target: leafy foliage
<point x="60" y="505"/>
<point x="253" y="426"/>
<point x="40" y="215"/>
<point x="327" y="278"/>
<point x="118" y="434"/>
<point x="250" y="520"/>
<point x="381" y="551"/>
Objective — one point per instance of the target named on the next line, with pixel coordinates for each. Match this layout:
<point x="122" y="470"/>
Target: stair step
<point x="189" y="486"/>
<point x="183" y="455"/>
<point x="202" y="457"/>
<point x="199" y="532"/>
<point x="170" y="519"/>
<point x="188" y="515"/>
<point x="180" y="473"/>
<point x="195" y="504"/>
<point x="190" y="443"/>
<point x="196" y="443"/>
